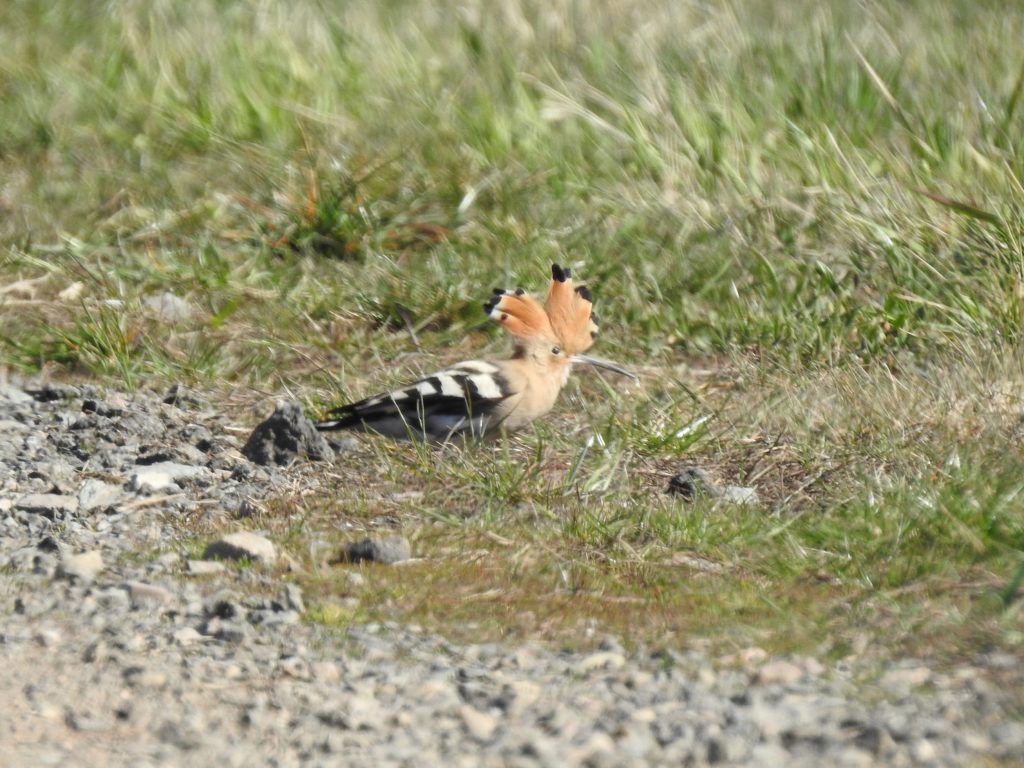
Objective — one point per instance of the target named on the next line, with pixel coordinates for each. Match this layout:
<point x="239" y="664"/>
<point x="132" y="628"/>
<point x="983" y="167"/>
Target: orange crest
<point x="566" y="315"/>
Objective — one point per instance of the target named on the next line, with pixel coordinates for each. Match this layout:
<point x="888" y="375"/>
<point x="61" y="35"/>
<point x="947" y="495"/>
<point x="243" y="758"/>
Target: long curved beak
<point x="599" y="363"/>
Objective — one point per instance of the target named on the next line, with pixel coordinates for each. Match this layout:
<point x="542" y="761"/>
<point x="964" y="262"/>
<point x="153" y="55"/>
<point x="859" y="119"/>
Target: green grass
<point x="803" y="222"/>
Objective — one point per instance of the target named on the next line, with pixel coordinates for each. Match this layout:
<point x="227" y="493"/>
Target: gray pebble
<point x="164" y="476"/>
<point x="96" y="494"/>
<point x="13" y="396"/>
<point x="203" y="567"/>
<point x="142" y="593"/>
<point x="1008" y="738"/>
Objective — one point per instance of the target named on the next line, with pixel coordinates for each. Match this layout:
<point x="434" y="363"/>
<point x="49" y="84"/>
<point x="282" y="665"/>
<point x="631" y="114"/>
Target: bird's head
<point x="553" y="335"/>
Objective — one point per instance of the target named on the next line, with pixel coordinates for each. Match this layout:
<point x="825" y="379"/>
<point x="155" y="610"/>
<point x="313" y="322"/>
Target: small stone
<point x="479" y="725"/>
<point x="520" y="695"/>
<point x="83" y="723"/>
<point x="84" y="567"/>
<point x="388" y="550"/>
<point x="643" y="715"/>
<point x="295" y="666"/>
<point x="769" y="754"/>
<point x="224" y="605"/>
<point x="690" y="484"/>
<point x="140" y="592"/>
<point x="96" y="653"/>
<point x="1008" y="738"/>
<point x="72" y="292"/>
<point x="102" y="408"/>
<point x="354" y="580"/>
<point x="771" y="720"/>
<point x="812" y="666"/>
<point x="291" y="598"/>
<point x="597" y="750"/>
<point x="48" y="637"/>
<point x="342" y="444"/>
<point x="141" y="677"/>
<point x="923" y="751"/>
<point x="905" y="678"/>
<point x="14" y="395"/>
<point x="325" y="671"/>
<point x="242" y="545"/>
<point x="164" y="476"/>
<point x="49" y="505"/>
<point x="168" y="559"/>
<point x="694" y="482"/>
<point x="97" y="494"/>
<point x="285" y="436"/>
<point x="49" y="393"/>
<point x="852" y="757"/>
<point x="137" y="643"/>
<point x="736" y="494"/>
<point x="168" y="308"/>
<point x="179" y="736"/>
<point x="152" y="679"/>
<point x="186" y="636"/>
<point x="747" y="657"/>
<point x="601" y="660"/>
<point x="779" y="672"/>
<point x="229" y="631"/>
<point x="1000" y="660"/>
<point x="203" y="567"/>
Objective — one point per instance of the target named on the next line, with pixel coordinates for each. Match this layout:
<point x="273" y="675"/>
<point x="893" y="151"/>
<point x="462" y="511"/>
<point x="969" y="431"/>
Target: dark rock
<point x="286" y="435"/>
<point x="48" y="544"/>
<point x="181" y="397"/>
<point x="693" y="483"/>
<point x="156" y="456"/>
<point x="390" y="549"/>
<point x="242" y="545"/>
<point x="223" y="605"/>
<point x="198" y="435"/>
<point x="291" y="599"/>
<point x="48" y="393"/>
<point x="101" y="408"/>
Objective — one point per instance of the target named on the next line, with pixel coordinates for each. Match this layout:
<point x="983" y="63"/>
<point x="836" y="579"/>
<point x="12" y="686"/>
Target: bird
<point x="478" y="398"/>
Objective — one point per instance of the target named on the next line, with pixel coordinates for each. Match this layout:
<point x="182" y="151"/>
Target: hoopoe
<point x="476" y="397"/>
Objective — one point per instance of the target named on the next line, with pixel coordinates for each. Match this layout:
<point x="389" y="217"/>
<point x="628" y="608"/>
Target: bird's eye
<point x="556" y="350"/>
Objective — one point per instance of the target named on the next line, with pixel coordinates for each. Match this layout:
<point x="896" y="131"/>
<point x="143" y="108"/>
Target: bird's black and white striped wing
<point x="458" y="400"/>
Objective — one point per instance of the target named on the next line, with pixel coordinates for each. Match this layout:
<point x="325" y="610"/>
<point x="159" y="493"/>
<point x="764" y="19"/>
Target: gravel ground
<point x="114" y="655"/>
